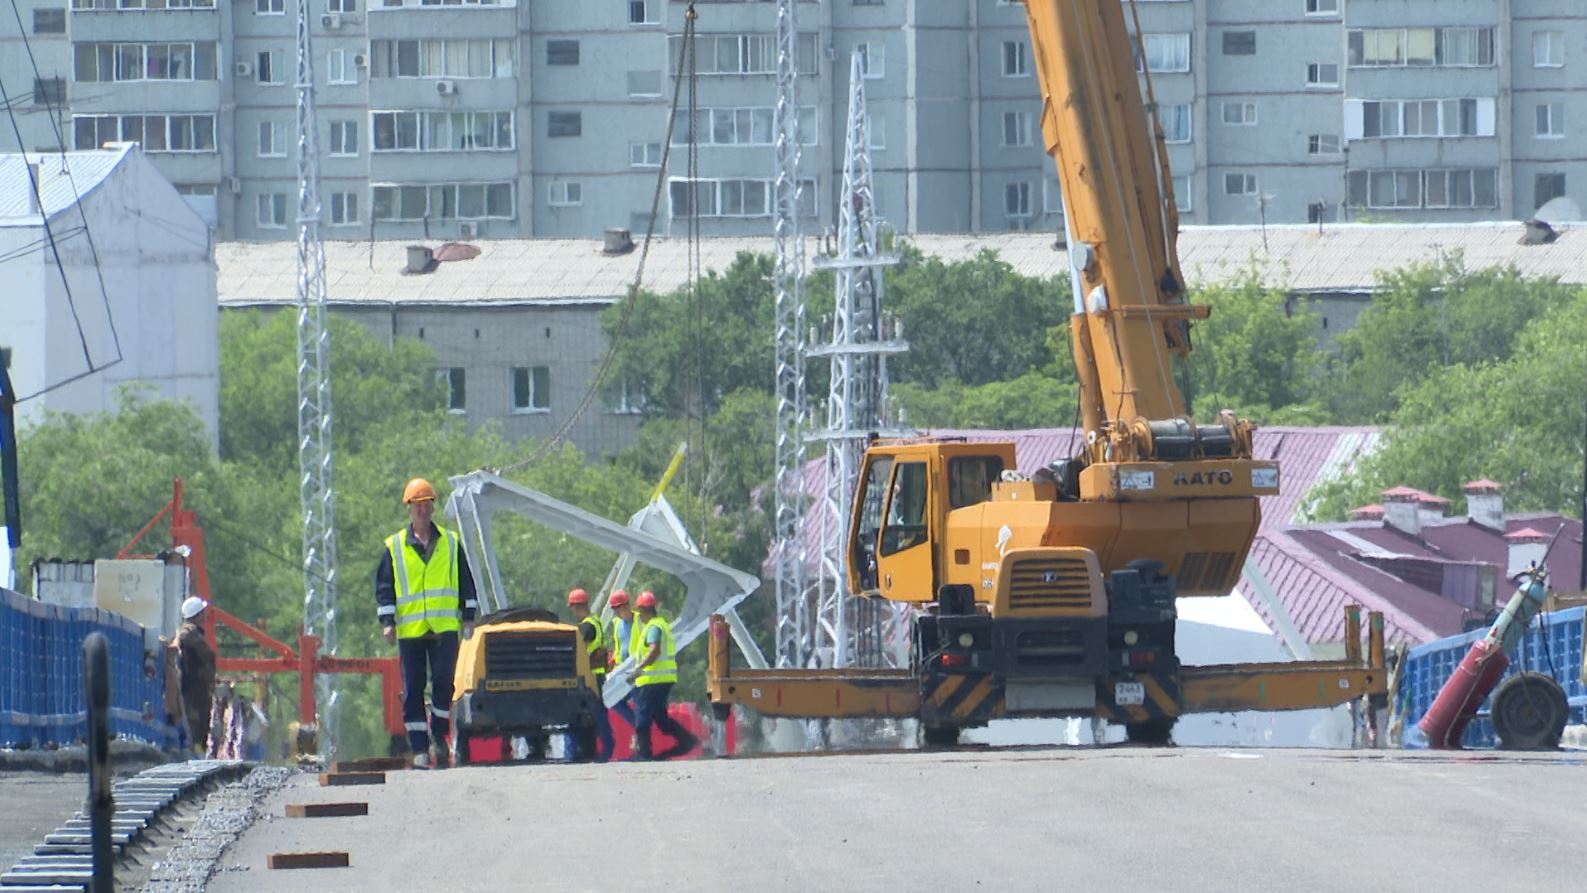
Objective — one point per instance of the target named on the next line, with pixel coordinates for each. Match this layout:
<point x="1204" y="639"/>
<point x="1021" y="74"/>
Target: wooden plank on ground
<point x="371" y="764"/>
<point x="326" y="810"/>
<point x="309" y="860"/>
<point x="336" y="779"/>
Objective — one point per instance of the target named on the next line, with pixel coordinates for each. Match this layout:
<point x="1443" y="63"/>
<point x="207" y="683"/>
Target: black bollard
<point x="101" y="800"/>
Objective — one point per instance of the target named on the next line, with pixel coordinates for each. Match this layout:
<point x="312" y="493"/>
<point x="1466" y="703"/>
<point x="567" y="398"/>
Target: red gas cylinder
<point x="1457" y="702"/>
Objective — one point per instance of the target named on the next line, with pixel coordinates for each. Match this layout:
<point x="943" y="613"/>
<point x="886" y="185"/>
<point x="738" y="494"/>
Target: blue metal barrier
<point x="1552" y="646"/>
<point x="42" y="700"/>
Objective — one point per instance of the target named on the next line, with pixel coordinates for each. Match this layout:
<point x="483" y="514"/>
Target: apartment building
<point x="547" y="118"/>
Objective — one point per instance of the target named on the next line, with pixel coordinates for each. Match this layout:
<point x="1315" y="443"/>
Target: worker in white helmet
<point x="195" y="667"/>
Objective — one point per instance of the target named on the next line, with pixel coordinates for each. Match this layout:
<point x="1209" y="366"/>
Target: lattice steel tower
<point x="852" y="631"/>
<point x="794" y="610"/>
<point x="314" y="394"/>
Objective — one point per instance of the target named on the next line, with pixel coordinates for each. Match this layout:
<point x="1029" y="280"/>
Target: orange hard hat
<point x="618" y="599"/>
<point x="418" y="490"/>
<point x="647" y="599"/>
<point x="578" y="597"/>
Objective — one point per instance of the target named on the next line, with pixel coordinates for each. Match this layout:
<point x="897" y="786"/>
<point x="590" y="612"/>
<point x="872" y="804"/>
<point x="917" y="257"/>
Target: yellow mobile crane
<point x="1054" y="594"/>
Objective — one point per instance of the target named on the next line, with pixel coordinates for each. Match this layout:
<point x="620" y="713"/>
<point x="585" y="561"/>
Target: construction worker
<point x="654" y="677"/>
<point x="424" y="595"/>
<point x="595" y="644"/>
<point x="624" y="627"/>
<point x="195" y="667"/>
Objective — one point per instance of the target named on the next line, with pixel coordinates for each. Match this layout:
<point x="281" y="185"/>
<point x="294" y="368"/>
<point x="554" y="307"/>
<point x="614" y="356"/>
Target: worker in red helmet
<point x="624" y="627"/>
<point x="654" y="677"/>
<point x="424" y="596"/>
<point x="595" y="645"/>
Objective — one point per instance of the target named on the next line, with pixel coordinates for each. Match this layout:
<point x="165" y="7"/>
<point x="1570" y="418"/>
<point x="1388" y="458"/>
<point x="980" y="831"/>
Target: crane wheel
<point x="1157" y="731"/>
<point x="1529" y="712"/>
<point x="940" y="736"/>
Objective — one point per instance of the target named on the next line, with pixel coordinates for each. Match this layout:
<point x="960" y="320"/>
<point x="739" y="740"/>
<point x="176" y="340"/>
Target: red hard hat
<point x="647" y="599"/>
<point x="578" y="597"/>
<point x="618" y="599"/>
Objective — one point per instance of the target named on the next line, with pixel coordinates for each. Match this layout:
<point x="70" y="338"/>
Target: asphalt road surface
<point x="32" y="804"/>
<point x="1182" y="819"/>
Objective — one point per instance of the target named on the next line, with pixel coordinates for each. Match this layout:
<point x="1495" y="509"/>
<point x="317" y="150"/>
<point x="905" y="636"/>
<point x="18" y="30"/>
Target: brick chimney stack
<point x="1402" y="510"/>
<point x="1485" y="504"/>
<point x="1527" y="547"/>
<point x="1372" y="512"/>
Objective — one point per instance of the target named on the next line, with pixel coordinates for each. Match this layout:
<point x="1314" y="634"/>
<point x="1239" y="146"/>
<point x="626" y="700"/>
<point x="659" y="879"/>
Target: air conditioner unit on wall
<point x="243" y="69"/>
<point x="468" y="229"/>
<point x="331" y="21"/>
<point x="446" y="88"/>
<point x="234" y="185"/>
<point x="360" y="60"/>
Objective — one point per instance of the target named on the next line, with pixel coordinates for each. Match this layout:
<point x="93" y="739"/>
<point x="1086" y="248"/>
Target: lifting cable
<point x="631" y="300"/>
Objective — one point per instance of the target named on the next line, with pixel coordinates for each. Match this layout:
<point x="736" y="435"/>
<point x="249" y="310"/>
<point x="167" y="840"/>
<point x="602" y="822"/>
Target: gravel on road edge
<point x="228" y="812"/>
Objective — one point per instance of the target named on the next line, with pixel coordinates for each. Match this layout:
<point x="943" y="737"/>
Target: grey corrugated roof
<point x="61" y="181"/>
<point x="1343" y="257"/>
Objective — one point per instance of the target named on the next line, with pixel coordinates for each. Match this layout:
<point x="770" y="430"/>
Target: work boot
<point x="442" y="758"/>
<point x="685" y="744"/>
<point x="421" y="761"/>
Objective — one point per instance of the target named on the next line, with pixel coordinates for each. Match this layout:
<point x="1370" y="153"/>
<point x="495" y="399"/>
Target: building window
<point x="873" y="60"/>
<point x="344" y="138"/>
<point x="741" y="127"/>
<point x="453" y="379"/>
<point x="1419" y="47"/>
<point x="49" y="21"/>
<point x="1550" y="120"/>
<point x="627" y="400"/>
<point x="1175" y="120"/>
<point x="565" y="194"/>
<point x="1016" y="129"/>
<point x="531" y="388"/>
<point x="344" y="208"/>
<point x="1052" y="198"/>
<point x="1322" y="74"/>
<point x="1322" y="144"/>
<point x="455" y="59"/>
<point x="644" y="155"/>
<point x="49" y="92"/>
<point x="643" y="12"/>
<point x="272" y="140"/>
<point x="269" y="7"/>
<point x="341" y="67"/>
<point x="1460" y="188"/>
<point x="730" y="54"/>
<point x="267" y="70"/>
<point x="1016" y="59"/>
<point x="732" y="198"/>
<point x="1322" y="7"/>
<point x="1546" y="188"/>
<point x="1016" y="200"/>
<point x="273" y="210"/>
<point x="1393" y="118"/>
<point x="107" y="62"/>
<point x="875" y="130"/>
<point x="1548" y="49"/>
<point x="1239" y="43"/>
<point x="442" y="201"/>
<point x="1184" y="199"/>
<point x="562" y="52"/>
<point x="1242" y="114"/>
<point x="644" y="83"/>
<point x="156" y="133"/>
<point x="441" y="131"/>
<point x="1160" y="53"/>
<point x="341" y="5"/>
<point x="1444" y="188"/>
<point x="560" y="124"/>
<point x="1239" y="184"/>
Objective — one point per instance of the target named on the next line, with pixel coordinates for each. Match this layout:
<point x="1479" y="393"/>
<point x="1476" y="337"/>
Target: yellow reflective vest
<point x="596" y="645"/>
<point x="427" y="595"/>
<point x="665" y="667"/>
<point x="625" y="646"/>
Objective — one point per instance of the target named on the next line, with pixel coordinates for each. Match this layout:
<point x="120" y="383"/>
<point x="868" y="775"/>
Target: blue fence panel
<point x="1552" y="646"/>
<point x="42" y="701"/>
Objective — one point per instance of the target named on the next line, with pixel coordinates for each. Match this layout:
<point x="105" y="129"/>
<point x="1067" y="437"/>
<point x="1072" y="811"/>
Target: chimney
<point x="1527" y="547"/>
<point x="1432" y="508"/>
<point x="1402" y="510"/>
<point x="1485" y="504"/>
<point x="1372" y="512"/>
<point x="617" y="241"/>
<point x="420" y="260"/>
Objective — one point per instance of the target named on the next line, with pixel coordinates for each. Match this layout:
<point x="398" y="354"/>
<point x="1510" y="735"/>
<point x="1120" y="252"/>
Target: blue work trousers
<point x="438" y="654"/>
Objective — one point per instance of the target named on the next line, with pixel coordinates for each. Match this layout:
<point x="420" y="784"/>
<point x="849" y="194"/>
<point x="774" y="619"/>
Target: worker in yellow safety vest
<point x="424" y="593"/>
<point x="625" y="627"/>
<point x="595" y="644"/>
<point x="654" y="677"/>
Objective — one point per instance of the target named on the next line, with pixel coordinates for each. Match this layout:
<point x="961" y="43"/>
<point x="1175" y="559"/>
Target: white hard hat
<point x="192" y="607"/>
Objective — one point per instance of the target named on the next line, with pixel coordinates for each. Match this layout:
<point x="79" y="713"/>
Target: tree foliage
<point x="1256" y="353"/>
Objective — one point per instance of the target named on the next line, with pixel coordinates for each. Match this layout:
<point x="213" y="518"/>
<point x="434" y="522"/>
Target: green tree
<point x="1427" y="316"/>
<point x="1516" y="420"/>
<point x="1256" y="353"/>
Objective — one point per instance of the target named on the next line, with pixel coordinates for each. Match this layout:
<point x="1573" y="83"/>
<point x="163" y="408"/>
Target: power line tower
<point x="854" y="631"/>
<point x="314" y="395"/>
<point x="794" y="611"/>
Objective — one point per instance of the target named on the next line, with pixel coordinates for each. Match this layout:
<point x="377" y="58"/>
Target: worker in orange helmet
<point x="654" y="677"/>
<point x="624" y="626"/>
<point x="595" y="644"/>
<point x="424" y="596"/>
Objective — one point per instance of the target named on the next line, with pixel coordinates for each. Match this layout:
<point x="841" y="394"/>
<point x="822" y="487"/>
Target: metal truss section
<point x="852" y="631"/>
<point x="315" y="483"/>
<point x="650" y="539"/>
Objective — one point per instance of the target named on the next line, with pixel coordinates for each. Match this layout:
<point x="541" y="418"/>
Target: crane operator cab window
<point x="868" y="525"/>
<point x="970" y="479"/>
<point x="906" y="509"/>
